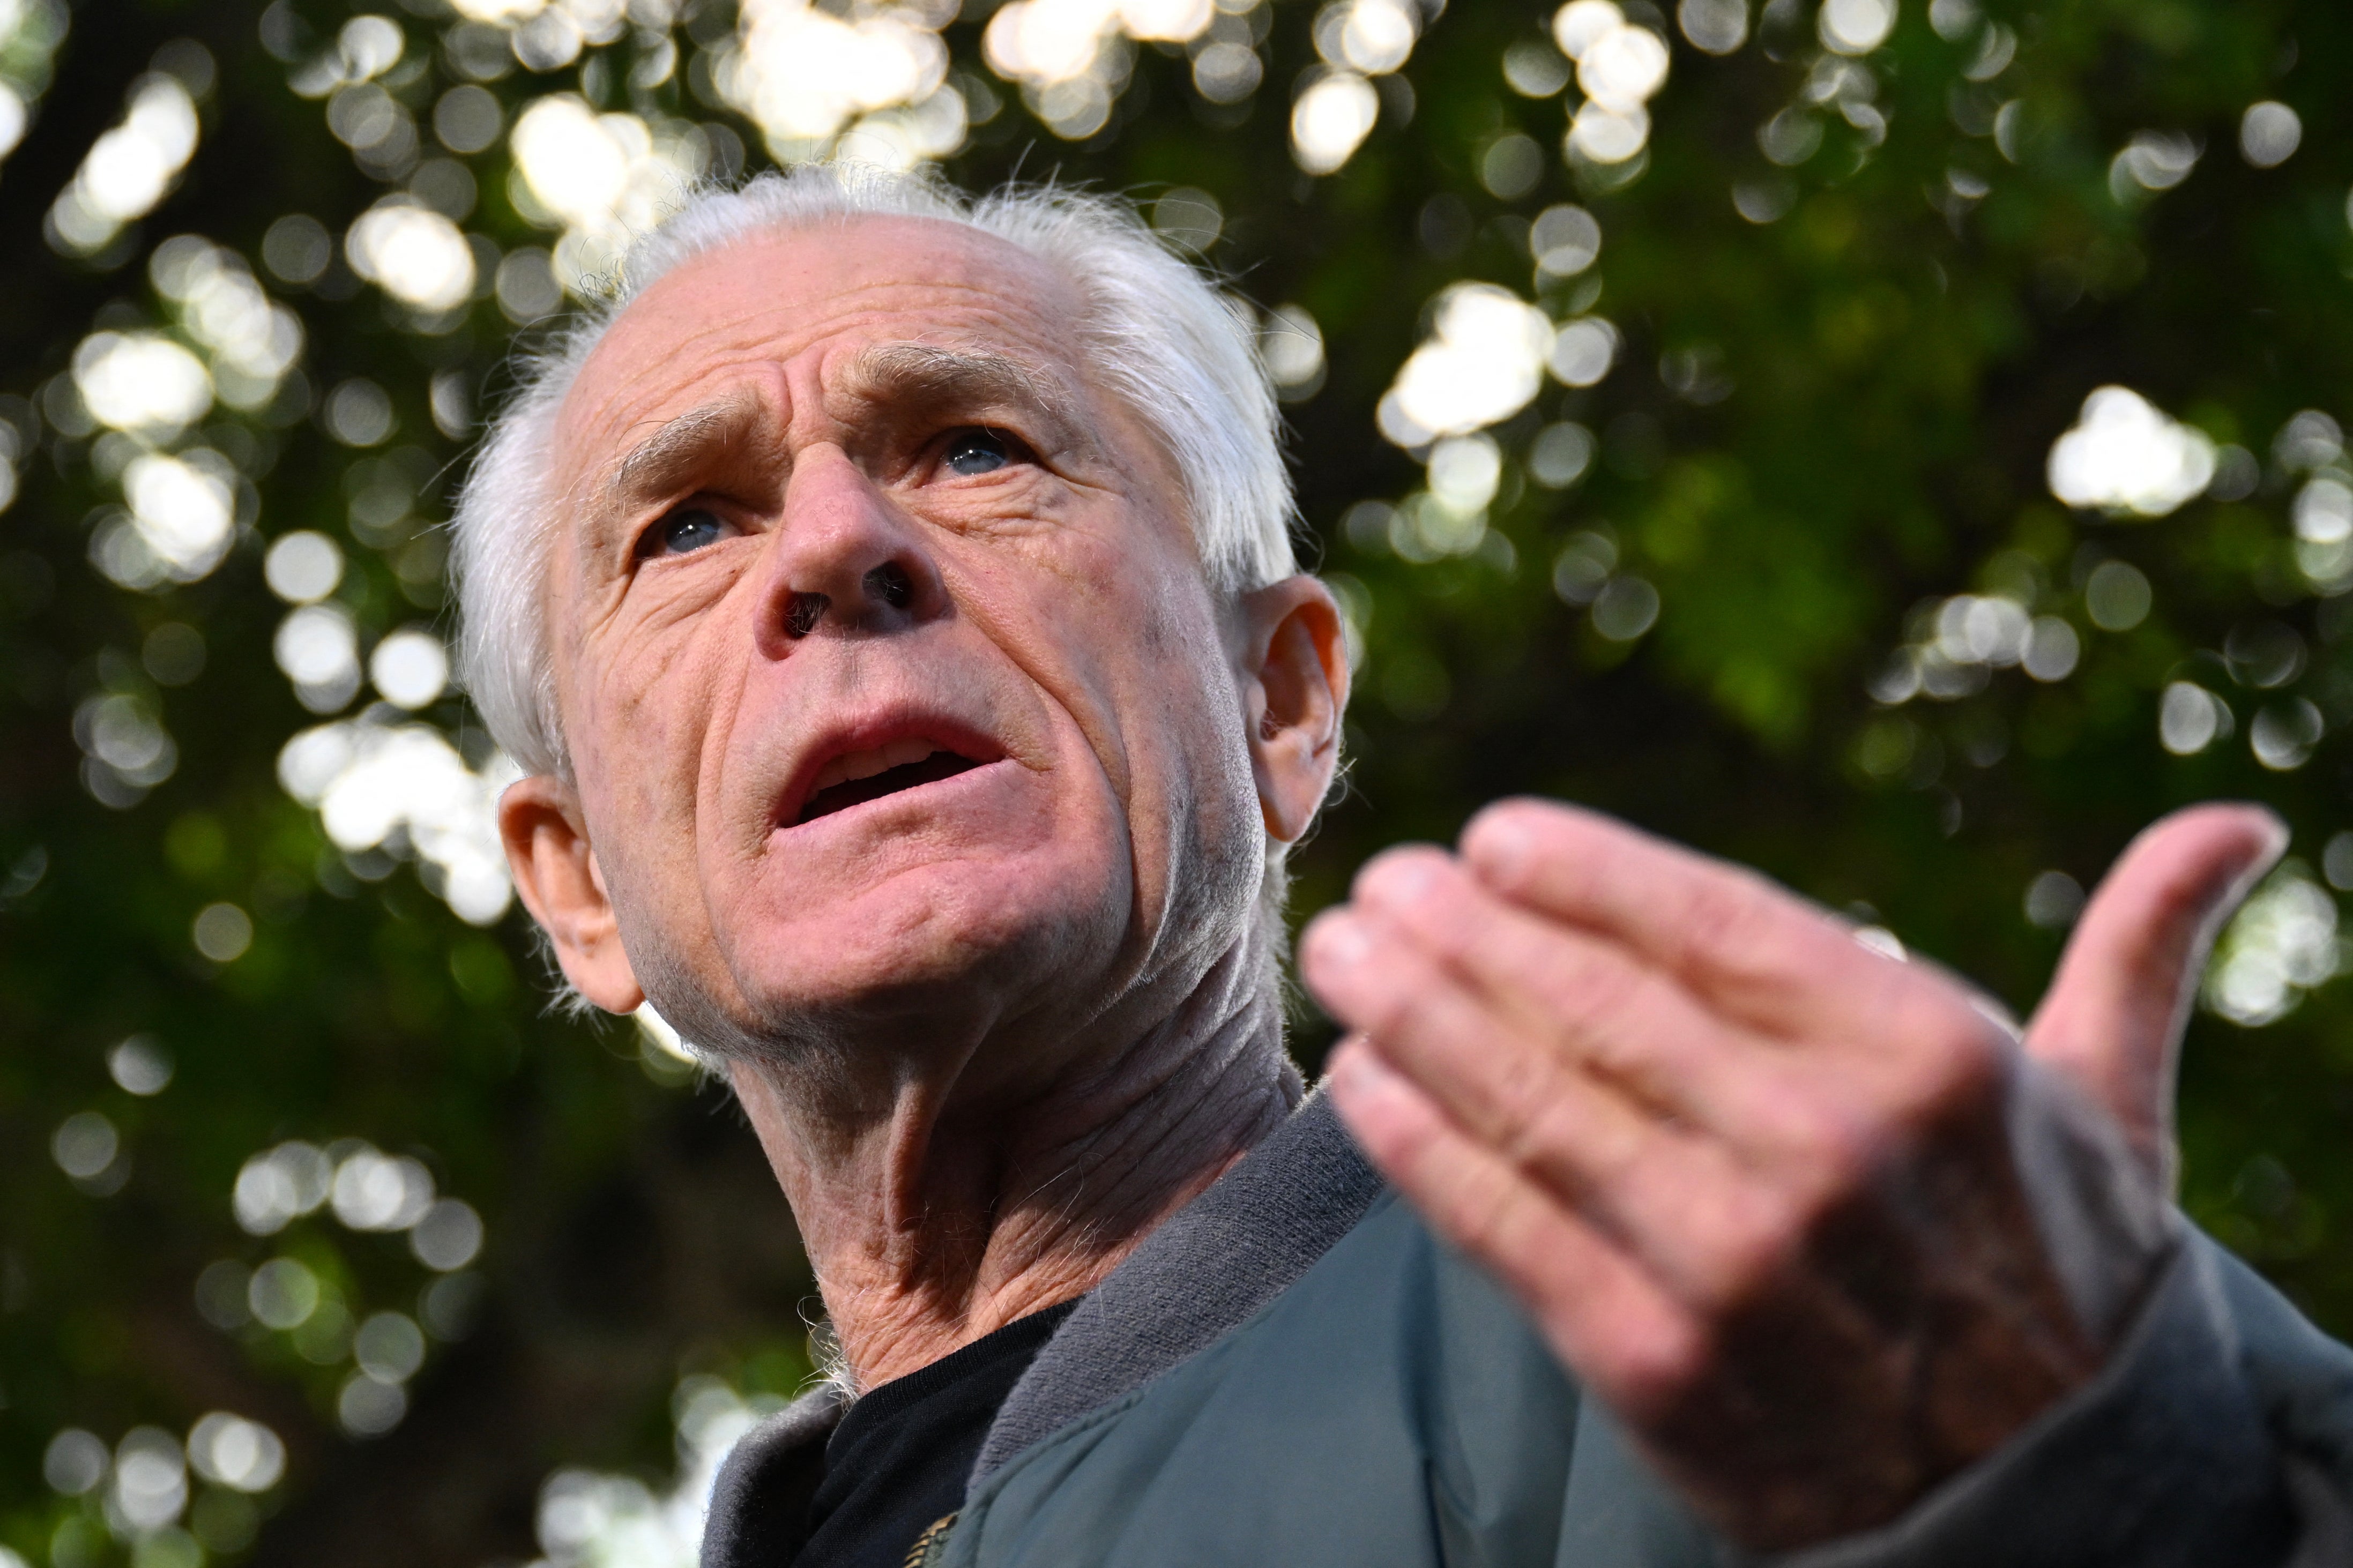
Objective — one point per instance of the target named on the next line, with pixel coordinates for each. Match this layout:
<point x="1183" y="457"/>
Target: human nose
<point x="843" y="558"/>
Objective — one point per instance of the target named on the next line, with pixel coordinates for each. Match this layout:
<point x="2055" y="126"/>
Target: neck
<point x="931" y="1222"/>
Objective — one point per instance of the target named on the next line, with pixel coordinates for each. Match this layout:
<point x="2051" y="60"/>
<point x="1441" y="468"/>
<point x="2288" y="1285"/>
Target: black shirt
<point x="897" y="1464"/>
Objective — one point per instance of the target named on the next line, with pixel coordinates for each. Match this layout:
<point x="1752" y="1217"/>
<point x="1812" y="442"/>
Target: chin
<point x="927" y="940"/>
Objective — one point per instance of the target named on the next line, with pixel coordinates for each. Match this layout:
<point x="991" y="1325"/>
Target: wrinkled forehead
<point x="798" y="307"/>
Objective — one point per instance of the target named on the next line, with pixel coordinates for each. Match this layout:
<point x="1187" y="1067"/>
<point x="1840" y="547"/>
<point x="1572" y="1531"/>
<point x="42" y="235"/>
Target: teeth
<point x="852" y="765"/>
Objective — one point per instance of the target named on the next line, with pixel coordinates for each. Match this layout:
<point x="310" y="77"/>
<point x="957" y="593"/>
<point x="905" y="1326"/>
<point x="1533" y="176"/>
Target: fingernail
<point x="1406" y="878"/>
<point x="1357" y="1070"/>
<point x="1338" y="941"/>
<point x="1500" y="845"/>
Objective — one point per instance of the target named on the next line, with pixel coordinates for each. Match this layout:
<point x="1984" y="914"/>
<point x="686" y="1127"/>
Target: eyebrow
<point x="657" y="466"/>
<point x="926" y="378"/>
<point x="910" y="377"/>
<point x="682" y="450"/>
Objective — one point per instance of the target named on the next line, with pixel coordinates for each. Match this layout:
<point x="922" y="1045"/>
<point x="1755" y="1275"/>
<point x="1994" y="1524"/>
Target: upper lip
<point x="872" y="732"/>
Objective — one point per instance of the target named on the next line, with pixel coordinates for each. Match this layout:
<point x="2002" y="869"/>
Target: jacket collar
<point x="1207" y="1267"/>
<point x="1205" y="1271"/>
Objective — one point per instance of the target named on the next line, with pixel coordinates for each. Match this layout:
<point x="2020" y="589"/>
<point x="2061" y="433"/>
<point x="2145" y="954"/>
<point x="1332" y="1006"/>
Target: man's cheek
<point x="659" y="700"/>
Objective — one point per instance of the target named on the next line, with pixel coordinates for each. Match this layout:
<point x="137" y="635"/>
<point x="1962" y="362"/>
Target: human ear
<point x="1294" y="670"/>
<point x="555" y="871"/>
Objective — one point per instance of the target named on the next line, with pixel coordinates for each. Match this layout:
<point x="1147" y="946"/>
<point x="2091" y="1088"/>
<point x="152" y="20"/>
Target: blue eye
<point x="979" y="452"/>
<point x="681" y="531"/>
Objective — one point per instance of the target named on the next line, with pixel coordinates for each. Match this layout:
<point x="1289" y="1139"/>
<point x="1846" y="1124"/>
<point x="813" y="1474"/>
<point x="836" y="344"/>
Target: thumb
<point x="2112" y="1020"/>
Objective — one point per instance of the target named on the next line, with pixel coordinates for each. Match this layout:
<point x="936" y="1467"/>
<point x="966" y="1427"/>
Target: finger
<point x="1752" y="950"/>
<point x="1589" y="999"/>
<point x="1633" y="1344"/>
<point x="1797" y="1119"/>
<point x="1706" y="1224"/>
<point x="2112" y="1017"/>
<point x="1531" y="1104"/>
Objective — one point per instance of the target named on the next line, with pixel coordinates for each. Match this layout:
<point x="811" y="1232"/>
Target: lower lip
<point x="923" y="793"/>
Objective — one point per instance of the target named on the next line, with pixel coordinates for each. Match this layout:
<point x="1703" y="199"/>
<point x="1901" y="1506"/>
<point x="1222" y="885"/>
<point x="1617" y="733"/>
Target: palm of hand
<point x="1771" y="1194"/>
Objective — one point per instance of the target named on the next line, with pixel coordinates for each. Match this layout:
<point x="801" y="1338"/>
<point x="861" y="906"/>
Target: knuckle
<point x="1397" y="1009"/>
<point x="1538" y="1119"/>
<point x="1451" y="927"/>
<point x="1727" y="925"/>
<point x="1588" y="996"/>
<point x="1491" y="1219"/>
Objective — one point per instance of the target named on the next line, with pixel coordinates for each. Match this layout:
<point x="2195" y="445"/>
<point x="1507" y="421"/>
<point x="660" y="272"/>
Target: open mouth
<point x="856" y="777"/>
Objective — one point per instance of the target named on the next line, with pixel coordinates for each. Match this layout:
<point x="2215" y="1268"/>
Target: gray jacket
<point x="1294" y="1370"/>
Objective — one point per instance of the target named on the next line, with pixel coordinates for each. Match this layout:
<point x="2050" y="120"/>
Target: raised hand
<point x="1761" y="1187"/>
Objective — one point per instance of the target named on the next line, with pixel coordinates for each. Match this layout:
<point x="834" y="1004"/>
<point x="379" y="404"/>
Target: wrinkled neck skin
<point x="933" y="1217"/>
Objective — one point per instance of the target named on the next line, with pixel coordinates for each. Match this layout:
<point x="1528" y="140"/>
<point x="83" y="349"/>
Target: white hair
<point x="1153" y="329"/>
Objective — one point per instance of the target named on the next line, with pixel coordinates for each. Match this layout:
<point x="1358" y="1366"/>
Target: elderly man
<point x="890" y="596"/>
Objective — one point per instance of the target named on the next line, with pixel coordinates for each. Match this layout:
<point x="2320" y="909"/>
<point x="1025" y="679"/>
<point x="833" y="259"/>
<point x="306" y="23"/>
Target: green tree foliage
<point x="1697" y="428"/>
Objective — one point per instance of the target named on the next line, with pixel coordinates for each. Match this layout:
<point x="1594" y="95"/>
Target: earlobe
<point x="1295" y="686"/>
<point x="556" y="874"/>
